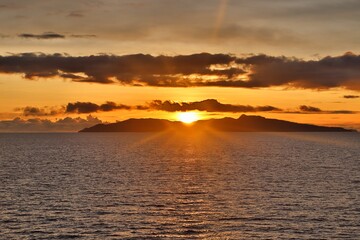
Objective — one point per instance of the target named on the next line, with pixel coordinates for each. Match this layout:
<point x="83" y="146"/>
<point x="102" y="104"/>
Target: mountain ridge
<point x="244" y="123"/>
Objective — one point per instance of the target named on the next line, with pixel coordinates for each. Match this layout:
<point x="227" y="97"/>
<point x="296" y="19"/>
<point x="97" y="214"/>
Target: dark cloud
<point x="351" y="96"/>
<point x="305" y="108"/>
<point x="88" y="107"/>
<point x="134" y="70"/>
<point x="51" y="35"/>
<point x="45" y="125"/>
<point x="209" y="105"/>
<point x="46" y="35"/>
<point x="196" y="70"/>
<point x="328" y="72"/>
<point x="315" y="110"/>
<point x="45" y="111"/>
<point x="340" y="112"/>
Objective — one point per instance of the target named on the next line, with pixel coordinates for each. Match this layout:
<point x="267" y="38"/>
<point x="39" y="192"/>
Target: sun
<point x="188" y="117"/>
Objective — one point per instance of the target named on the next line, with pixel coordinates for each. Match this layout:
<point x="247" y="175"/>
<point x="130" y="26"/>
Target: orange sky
<point x="280" y="31"/>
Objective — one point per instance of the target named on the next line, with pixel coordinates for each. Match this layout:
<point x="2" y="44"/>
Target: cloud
<point x="195" y="70"/>
<point x="328" y="72"/>
<point x="351" y="96"/>
<point x="51" y="35"/>
<point x="44" y="125"/>
<point x="88" y="107"/>
<point x="136" y="70"/>
<point x="45" y="35"/>
<point x="315" y="110"/>
<point x="305" y="108"/>
<point x="36" y="111"/>
<point x="208" y="105"/>
<point x="83" y="35"/>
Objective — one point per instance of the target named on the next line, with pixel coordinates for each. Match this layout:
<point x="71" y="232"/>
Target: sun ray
<point x="220" y="17"/>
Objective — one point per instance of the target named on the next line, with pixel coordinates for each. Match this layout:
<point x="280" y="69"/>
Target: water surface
<point x="169" y="186"/>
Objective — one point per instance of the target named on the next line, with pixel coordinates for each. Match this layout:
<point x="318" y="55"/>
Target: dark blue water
<point x="174" y="186"/>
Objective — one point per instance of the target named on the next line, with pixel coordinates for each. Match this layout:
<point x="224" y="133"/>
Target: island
<point x="244" y="123"/>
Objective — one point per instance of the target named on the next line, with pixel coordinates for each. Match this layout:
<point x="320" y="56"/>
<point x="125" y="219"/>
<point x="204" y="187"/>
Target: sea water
<point x="180" y="186"/>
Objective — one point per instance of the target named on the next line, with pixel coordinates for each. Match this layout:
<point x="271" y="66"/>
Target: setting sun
<point x="188" y="117"/>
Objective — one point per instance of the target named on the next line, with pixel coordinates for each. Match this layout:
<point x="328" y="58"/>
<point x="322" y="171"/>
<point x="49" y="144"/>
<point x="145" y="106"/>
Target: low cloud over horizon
<point x="195" y="70"/>
<point x="208" y="105"/>
<point x="66" y="124"/>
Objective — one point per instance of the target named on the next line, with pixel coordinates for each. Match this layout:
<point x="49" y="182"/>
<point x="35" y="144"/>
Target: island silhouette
<point x="244" y="123"/>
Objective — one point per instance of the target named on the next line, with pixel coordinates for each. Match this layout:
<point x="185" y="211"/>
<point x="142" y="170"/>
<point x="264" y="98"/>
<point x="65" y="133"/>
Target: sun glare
<point x="188" y="117"/>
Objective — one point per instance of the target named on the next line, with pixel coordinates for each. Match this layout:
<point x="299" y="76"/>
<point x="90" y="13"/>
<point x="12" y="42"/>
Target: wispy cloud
<point x="351" y="96"/>
<point x="45" y="35"/>
<point x="83" y="35"/>
<point x="51" y="35"/>
<point x="305" y="109"/>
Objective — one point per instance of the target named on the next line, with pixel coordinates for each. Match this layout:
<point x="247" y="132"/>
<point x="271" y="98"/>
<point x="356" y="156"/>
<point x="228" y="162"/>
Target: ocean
<point x="180" y="186"/>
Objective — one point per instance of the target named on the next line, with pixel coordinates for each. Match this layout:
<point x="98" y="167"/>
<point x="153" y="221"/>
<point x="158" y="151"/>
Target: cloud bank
<point x="66" y="124"/>
<point x="196" y="70"/>
<point x="208" y="105"/>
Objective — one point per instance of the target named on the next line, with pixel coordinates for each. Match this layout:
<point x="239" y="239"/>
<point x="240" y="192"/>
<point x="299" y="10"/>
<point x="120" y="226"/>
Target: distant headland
<point x="244" y="123"/>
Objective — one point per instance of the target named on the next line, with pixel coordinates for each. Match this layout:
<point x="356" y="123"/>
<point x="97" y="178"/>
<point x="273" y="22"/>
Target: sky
<point x="65" y="65"/>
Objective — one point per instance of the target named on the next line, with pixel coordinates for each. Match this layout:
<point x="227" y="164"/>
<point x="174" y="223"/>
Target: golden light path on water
<point x="195" y="184"/>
